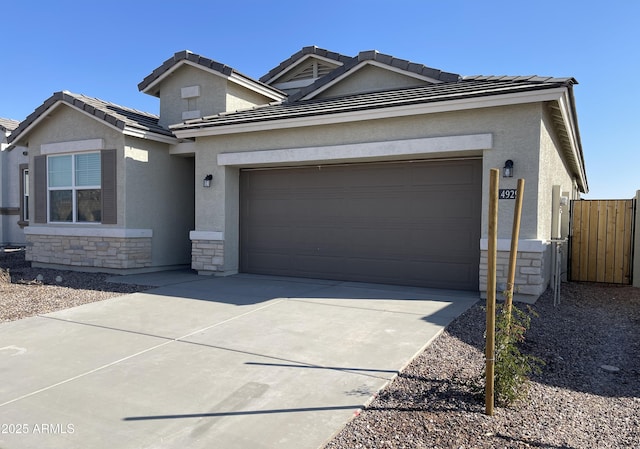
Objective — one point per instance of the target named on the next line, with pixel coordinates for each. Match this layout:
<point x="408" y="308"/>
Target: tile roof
<point x="186" y="55"/>
<point x="472" y="87"/>
<point x="373" y="55"/>
<point x="119" y="116"/>
<point x="7" y="124"/>
<point x="312" y="50"/>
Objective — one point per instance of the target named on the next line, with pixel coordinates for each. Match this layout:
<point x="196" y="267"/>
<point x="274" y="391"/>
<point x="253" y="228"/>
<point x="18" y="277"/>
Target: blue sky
<point x="104" y="49"/>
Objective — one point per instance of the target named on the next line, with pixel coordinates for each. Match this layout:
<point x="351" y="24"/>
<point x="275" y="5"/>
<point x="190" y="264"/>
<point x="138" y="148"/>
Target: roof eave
<point x="15" y="138"/>
<point x="573" y="146"/>
<point x="199" y="129"/>
<point x="149" y="135"/>
<point x="111" y="122"/>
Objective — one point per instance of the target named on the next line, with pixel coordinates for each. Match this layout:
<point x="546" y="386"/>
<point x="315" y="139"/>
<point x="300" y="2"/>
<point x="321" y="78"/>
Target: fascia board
<point x="373" y="114"/>
<point x="297" y="84"/>
<point x="262" y="90"/>
<point x="35" y="123"/>
<point x="570" y="127"/>
<point x="233" y="77"/>
<point x="52" y="108"/>
<point x="299" y="62"/>
<point x="360" y="66"/>
<point x="142" y="134"/>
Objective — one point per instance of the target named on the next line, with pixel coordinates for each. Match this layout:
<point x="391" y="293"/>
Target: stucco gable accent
<point x="373" y="57"/>
<point x="299" y="58"/>
<point x="72" y="146"/>
<point x="370" y="150"/>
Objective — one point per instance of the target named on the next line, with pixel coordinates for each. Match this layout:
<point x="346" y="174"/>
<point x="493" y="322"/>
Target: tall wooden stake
<point x="491" y="290"/>
<point x="515" y="235"/>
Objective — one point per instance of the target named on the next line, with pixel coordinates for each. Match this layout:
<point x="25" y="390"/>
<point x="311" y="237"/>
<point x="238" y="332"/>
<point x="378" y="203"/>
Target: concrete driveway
<point x="238" y="362"/>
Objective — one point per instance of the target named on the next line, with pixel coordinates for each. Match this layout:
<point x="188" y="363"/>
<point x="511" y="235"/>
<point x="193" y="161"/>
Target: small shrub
<point x="512" y="368"/>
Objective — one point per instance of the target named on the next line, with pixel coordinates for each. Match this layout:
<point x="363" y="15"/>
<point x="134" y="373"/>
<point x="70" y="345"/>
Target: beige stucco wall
<point x="11" y="232"/>
<point x="159" y="195"/>
<point x="155" y="195"/>
<point x="239" y="97"/>
<point x="66" y="124"/>
<point x="370" y="79"/>
<point x="553" y="171"/>
<point x="217" y="94"/>
<point x="212" y="99"/>
<point x="516" y="136"/>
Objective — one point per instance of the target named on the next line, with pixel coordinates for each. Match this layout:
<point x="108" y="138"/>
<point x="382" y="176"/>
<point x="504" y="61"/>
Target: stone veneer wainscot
<point x="100" y="249"/>
<point x="531" y="278"/>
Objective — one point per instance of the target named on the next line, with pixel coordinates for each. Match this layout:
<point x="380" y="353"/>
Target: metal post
<point x="491" y="290"/>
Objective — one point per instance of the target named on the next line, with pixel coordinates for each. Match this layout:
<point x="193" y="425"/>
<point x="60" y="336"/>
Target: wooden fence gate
<point x="602" y="241"/>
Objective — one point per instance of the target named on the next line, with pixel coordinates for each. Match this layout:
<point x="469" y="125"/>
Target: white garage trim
<point x="393" y="148"/>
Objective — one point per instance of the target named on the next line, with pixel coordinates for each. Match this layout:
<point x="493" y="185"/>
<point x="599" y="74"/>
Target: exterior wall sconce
<point x="206" y="182"/>
<point x="507" y="170"/>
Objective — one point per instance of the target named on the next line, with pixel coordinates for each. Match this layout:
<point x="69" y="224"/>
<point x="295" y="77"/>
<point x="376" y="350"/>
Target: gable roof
<point x="376" y="58"/>
<point x="127" y="120"/>
<point x="295" y="59"/>
<point x="8" y="125"/>
<point x="151" y="81"/>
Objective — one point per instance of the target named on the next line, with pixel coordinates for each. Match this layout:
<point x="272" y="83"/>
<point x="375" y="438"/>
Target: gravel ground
<point x="26" y="295"/>
<point x="573" y="403"/>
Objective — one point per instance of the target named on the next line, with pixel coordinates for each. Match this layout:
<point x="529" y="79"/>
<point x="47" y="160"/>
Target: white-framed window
<point x="74" y="188"/>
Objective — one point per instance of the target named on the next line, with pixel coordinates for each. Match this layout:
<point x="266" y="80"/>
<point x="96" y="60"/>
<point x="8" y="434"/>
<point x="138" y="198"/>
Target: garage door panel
<point x="406" y="223"/>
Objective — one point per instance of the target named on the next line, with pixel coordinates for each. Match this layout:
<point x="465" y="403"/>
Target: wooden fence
<point x="602" y="241"/>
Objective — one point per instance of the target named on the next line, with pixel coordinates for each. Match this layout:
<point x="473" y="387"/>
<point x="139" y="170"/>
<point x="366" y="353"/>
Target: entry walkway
<point x="238" y="362"/>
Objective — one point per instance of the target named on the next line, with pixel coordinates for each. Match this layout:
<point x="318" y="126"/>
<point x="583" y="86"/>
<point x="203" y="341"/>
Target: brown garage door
<point x="410" y="223"/>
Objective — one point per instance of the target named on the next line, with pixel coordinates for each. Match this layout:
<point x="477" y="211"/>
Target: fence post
<point x="636" y="245"/>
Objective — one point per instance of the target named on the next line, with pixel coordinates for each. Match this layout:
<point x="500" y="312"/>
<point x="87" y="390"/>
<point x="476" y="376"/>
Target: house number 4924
<point x="507" y="194"/>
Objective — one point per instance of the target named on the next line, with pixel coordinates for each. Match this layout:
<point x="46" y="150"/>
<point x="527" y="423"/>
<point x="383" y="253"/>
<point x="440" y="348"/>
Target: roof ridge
<point x="375" y="55"/>
<point x="110" y="103"/>
<point x="304" y="51"/>
<point x="8" y="124"/>
<point x="114" y="114"/>
<point x="521" y="78"/>
<point x="188" y="55"/>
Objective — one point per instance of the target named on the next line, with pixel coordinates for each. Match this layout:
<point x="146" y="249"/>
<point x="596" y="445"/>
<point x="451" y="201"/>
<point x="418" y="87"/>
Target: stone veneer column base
<point x="207" y="252"/>
<point x="532" y="269"/>
<point x="207" y="256"/>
